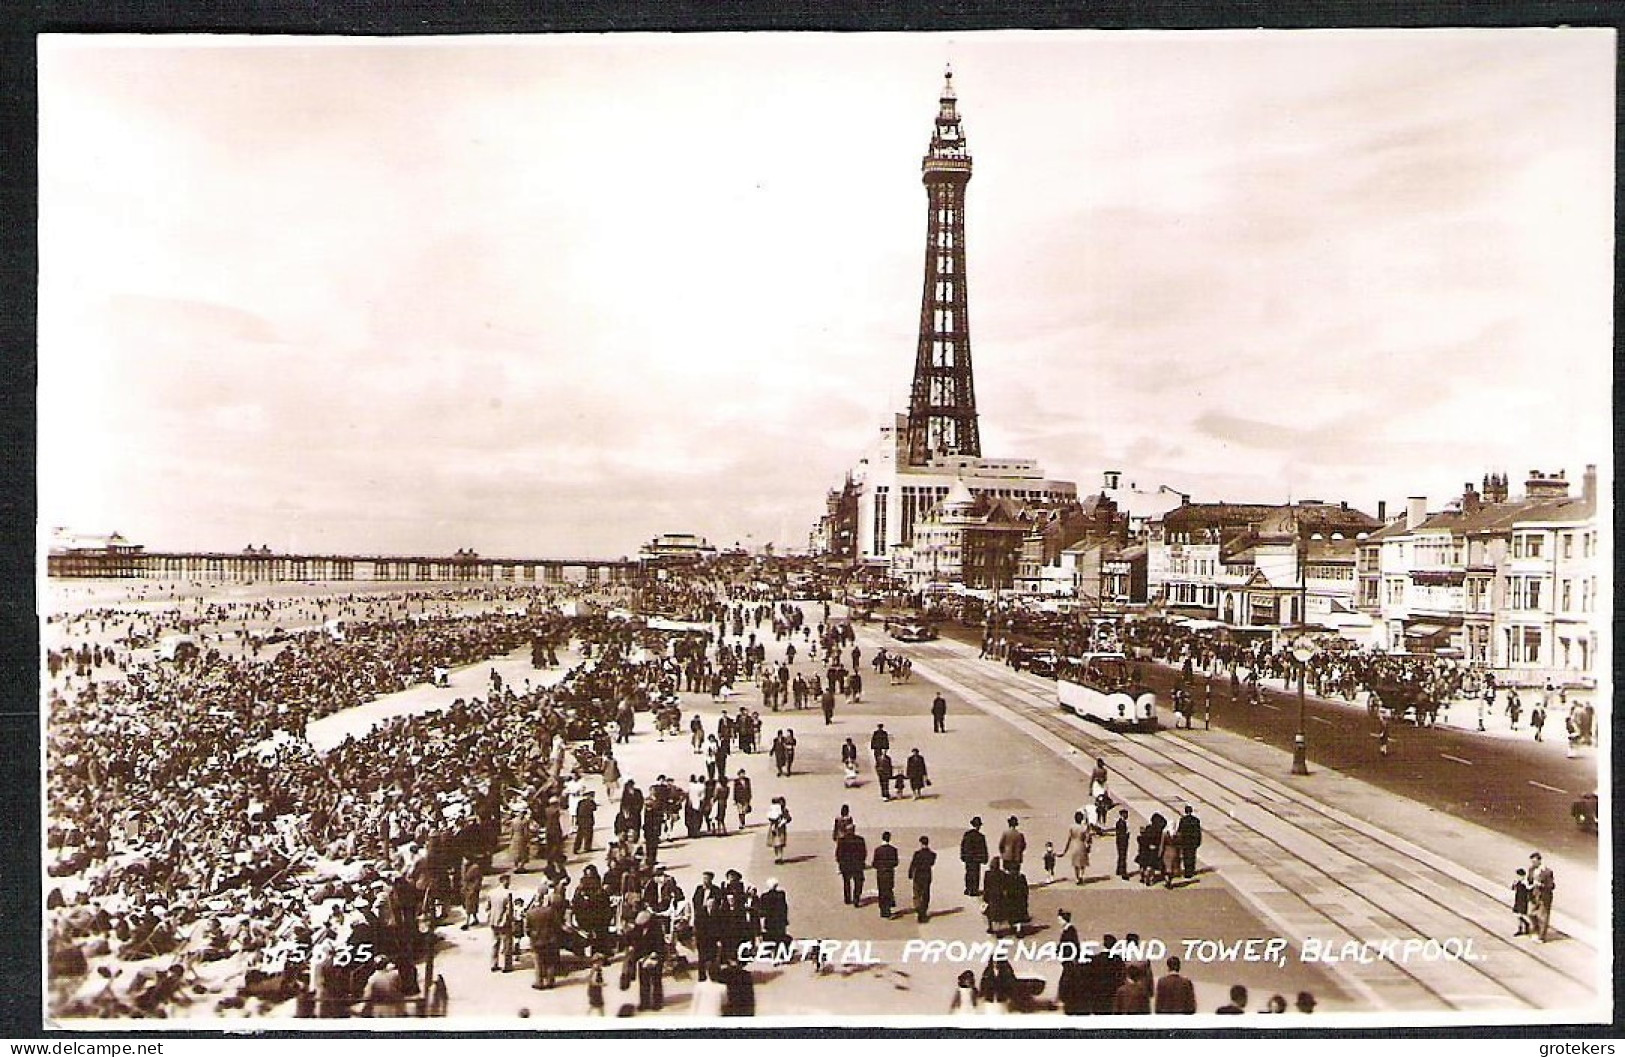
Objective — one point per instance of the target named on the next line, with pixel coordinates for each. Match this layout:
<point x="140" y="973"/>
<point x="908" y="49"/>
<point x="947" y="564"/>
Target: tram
<point x="1101" y="687"/>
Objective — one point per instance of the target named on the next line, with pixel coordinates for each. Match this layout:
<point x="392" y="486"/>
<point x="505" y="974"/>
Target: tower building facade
<point x="921" y="456"/>
<point x="942" y="401"/>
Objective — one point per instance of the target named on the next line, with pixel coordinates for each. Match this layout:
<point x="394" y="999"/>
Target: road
<point x="1521" y="788"/>
<point x="1332" y="858"/>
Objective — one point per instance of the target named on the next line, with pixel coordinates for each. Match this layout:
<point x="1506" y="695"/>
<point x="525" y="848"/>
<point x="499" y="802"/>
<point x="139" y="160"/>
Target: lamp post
<point x="1303" y="649"/>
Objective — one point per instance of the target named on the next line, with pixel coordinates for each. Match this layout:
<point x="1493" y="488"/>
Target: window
<point x="1568" y="595"/>
<point x="1568" y="545"/>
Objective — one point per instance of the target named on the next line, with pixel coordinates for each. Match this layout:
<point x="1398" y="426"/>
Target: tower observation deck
<point x="942" y="401"/>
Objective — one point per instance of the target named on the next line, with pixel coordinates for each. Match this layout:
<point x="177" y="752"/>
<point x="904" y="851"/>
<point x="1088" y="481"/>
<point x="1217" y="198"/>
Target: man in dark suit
<point x="1175" y="993"/>
<point x="919" y="872"/>
<point x="851" y="857"/>
<point x="883" y="773"/>
<point x="939" y="715"/>
<point x="879" y="741"/>
<point x="1121" y="832"/>
<point x="885" y="866"/>
<point x="973" y="853"/>
<point x="1238" y="1002"/>
<point x="705" y="903"/>
<point x="1109" y="971"/>
<point x="1188" y="837"/>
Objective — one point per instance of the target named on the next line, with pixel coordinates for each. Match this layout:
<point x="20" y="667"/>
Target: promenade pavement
<point x="1326" y="859"/>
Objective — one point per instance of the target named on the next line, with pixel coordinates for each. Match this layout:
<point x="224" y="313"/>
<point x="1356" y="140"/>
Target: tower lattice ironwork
<point x="942" y="403"/>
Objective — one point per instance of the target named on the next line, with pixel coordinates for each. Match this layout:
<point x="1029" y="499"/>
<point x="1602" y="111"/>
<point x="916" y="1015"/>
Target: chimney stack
<point x="1588" y="484"/>
<point x="1416" y="511"/>
<point x="1382" y="511"/>
<point x="1470" y="499"/>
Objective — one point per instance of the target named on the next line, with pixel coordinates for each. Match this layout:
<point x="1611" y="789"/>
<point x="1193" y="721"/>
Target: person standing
<point x="1188" y="836"/>
<point x="849" y="754"/>
<point x="742" y="794"/>
<point x="1542" y="887"/>
<point x="973" y="853"/>
<point x="885" y="867"/>
<point x="879" y="741"/>
<point x="778" y="827"/>
<point x="851" y="857"/>
<point x="939" y="714"/>
<point x="585" y="818"/>
<point x="502" y="914"/>
<point x="919" y="872"/>
<point x="1121" y="833"/>
<point x="1012" y="845"/>
<point x="1175" y="993"/>
<point x="827" y="701"/>
<point x="883" y="773"/>
<point x="918" y="778"/>
<point x="473" y="877"/>
<point x="1537" y="719"/>
<point x="1520" y="902"/>
<point x="543" y="926"/>
<point x="1069" y="992"/>
<point x="1079" y="840"/>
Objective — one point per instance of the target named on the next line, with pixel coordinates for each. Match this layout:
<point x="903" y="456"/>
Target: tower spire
<point x="942" y="403"/>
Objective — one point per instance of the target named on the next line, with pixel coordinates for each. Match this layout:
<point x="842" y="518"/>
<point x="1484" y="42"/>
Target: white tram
<point x="1100" y="687"/>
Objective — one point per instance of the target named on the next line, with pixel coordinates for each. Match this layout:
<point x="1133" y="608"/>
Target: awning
<point x="1424" y="630"/>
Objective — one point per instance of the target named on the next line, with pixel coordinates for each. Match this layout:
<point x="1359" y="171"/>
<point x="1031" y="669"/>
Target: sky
<point x="555" y="296"/>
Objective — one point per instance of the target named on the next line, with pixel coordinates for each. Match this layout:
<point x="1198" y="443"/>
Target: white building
<point x="893" y="496"/>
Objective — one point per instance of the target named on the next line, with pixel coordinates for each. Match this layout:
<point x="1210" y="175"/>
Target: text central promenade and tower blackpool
<point x="921" y="456"/>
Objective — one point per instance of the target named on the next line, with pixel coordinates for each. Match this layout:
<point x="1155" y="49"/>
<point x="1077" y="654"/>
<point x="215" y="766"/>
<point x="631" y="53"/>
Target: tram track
<point x="1377" y="886"/>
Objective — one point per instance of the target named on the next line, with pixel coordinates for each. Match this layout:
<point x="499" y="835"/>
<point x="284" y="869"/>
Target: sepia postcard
<point x="1080" y="529"/>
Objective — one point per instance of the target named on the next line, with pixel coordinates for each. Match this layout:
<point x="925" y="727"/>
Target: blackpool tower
<point x="942" y="402"/>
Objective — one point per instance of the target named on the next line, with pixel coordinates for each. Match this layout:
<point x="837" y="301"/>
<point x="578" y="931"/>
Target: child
<point x="1049" y="859"/>
<point x="1520" y="904"/>
<point x="851" y="774"/>
<point x="595" y="987"/>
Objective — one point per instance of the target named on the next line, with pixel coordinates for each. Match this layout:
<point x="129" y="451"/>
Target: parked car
<point x="1038" y="659"/>
<point x="910" y="630"/>
<point x="1585" y="812"/>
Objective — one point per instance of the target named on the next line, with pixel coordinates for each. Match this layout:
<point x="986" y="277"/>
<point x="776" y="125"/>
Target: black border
<point x="20" y="992"/>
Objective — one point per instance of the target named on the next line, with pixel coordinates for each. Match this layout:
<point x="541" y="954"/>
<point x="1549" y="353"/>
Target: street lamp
<point x="1303" y="648"/>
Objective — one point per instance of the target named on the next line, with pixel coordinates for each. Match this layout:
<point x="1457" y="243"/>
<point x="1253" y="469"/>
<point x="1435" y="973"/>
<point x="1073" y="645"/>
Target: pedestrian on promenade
<point x="1012" y="844"/>
<point x="1520" y="902"/>
<point x="778" y="827"/>
<point x="939" y="714"/>
<point x="885" y="866"/>
<point x="1542" y="887"/>
<point x="1537" y="719"/>
<point x="1514" y="707"/>
<point x="473" y="877"/>
<point x="741" y="797"/>
<point x="851" y="857"/>
<point x="973" y="853"/>
<point x="879" y="741"/>
<point x="827" y="701"/>
<point x="1189" y="834"/>
<point x="919" y="872"/>
<point x="1079" y="841"/>
<point x="503" y="913"/>
<point x="1122" y="835"/>
<point x="854" y="684"/>
<point x="883" y="774"/>
<point x="918" y="778"/>
<point x="844" y="823"/>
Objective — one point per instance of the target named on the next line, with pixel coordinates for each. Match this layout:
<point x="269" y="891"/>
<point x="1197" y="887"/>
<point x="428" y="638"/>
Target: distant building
<point x="1057" y="529"/>
<point x="1138" y="506"/>
<point x="78" y="555"/>
<point x="1259" y="565"/>
<point x="676" y="548"/>
<point x="967" y="541"/>
<point x="1513" y="585"/>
